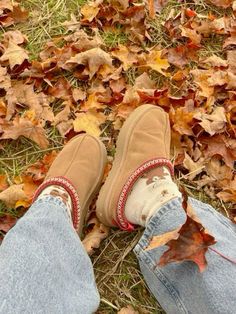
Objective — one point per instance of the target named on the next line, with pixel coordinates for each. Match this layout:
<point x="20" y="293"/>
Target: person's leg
<point x="180" y="287"/>
<point x="139" y="191"/>
<point x="43" y="265"/>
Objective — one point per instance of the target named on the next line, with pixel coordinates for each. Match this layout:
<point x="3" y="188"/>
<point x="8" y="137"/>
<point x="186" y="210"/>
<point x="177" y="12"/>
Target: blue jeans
<point x="45" y="269"/>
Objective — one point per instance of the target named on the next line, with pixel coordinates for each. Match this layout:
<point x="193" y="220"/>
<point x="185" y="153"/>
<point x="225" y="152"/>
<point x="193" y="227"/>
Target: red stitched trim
<point x="69" y="187"/>
<point x="121" y="220"/>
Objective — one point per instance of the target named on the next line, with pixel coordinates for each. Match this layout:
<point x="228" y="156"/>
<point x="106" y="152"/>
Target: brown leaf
<point x="7" y="222"/>
<point x="14" y="55"/>
<point x="220" y="145"/>
<point x="189" y="243"/>
<point x="13" y="194"/>
<point x="214" y="122"/>
<point x="25" y="127"/>
<point x="127" y="57"/>
<point x="222" y="3"/>
<point x="3" y="182"/>
<point x="94" y="59"/>
<point x="93" y="239"/>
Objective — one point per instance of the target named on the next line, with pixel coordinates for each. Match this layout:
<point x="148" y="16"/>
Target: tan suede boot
<point x="78" y="169"/>
<point x="143" y="144"/>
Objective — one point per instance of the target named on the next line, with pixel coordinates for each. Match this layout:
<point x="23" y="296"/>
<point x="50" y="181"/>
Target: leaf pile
<point x="87" y="82"/>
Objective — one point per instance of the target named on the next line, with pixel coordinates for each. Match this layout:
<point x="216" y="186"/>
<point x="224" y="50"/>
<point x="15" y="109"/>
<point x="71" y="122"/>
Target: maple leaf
<point x="182" y="120"/>
<point x="89" y="122"/>
<point x="94" y="58"/>
<point x="190" y="242"/>
<point x="90" y="10"/>
<point x="13" y="194"/>
<point x="127" y="57"/>
<point x="214" y="122"/>
<point x="24" y="127"/>
<point x="14" y="55"/>
<point x="94" y="237"/>
<point x="220" y="145"/>
<point x="155" y="61"/>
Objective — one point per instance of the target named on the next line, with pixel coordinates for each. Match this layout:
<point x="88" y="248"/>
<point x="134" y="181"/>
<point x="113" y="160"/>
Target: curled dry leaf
<point x="94" y="237"/>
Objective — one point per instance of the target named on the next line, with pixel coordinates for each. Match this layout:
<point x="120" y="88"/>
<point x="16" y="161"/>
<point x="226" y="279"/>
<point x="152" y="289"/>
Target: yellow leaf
<point x="88" y="122"/>
<point x="89" y="11"/>
<point x="156" y="62"/>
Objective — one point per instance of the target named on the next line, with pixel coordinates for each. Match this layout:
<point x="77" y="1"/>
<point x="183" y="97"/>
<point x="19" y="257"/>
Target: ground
<point x="116" y="269"/>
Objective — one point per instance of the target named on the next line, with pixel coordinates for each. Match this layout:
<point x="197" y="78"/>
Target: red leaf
<point x="191" y="245"/>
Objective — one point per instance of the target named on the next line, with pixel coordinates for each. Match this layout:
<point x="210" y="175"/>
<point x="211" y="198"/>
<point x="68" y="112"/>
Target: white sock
<point x="60" y="192"/>
<point x="149" y="193"/>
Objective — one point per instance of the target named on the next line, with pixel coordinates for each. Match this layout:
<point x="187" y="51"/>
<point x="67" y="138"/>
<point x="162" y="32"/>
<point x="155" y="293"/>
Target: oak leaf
<point x="14" y="55"/>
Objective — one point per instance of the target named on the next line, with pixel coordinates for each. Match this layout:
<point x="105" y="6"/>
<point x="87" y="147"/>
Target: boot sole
<point x="104" y="212"/>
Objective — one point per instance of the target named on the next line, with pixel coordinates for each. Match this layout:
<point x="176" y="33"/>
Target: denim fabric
<point x="45" y="269"/>
<point x="180" y="287"/>
<point x="43" y="265"/>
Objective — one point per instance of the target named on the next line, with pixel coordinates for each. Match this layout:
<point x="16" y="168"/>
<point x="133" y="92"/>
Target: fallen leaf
<point x="155" y="61"/>
<point x="93" y="239"/>
<point x="212" y="123"/>
<point x="189" y="243"/>
<point x="127" y="57"/>
<point x="94" y="59"/>
<point x="222" y="3"/>
<point x="7" y="222"/>
<point x="14" y="55"/>
<point x="3" y="182"/>
<point x="90" y="10"/>
<point x="27" y="128"/>
<point x="88" y="122"/>
<point x="13" y="194"/>
<point x="194" y="167"/>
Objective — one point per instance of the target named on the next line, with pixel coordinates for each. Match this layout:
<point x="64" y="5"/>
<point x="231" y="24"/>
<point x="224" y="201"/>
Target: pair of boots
<point x="140" y="180"/>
